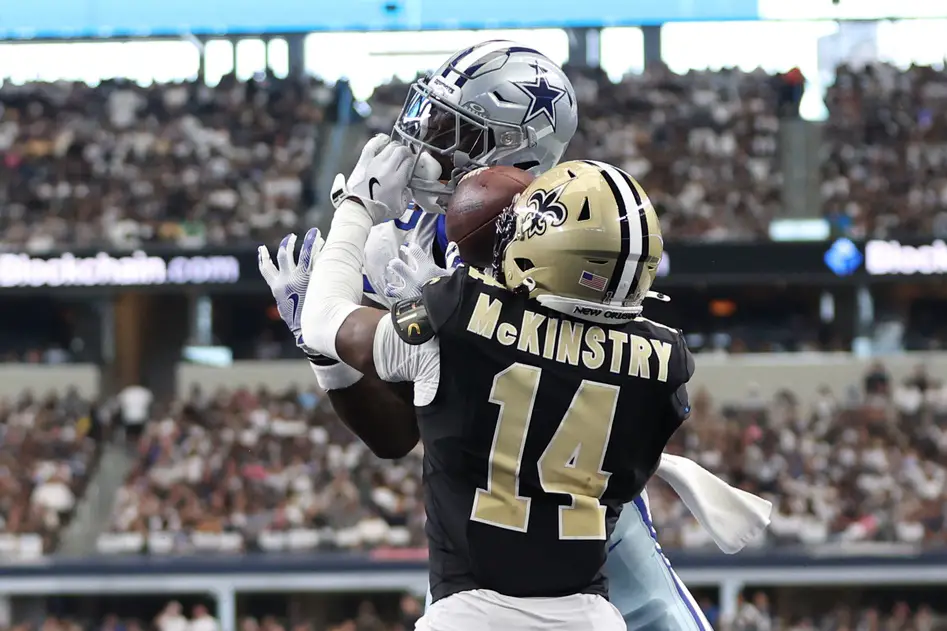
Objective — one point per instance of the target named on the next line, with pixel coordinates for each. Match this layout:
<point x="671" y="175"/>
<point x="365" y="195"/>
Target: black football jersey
<point x="542" y="428"/>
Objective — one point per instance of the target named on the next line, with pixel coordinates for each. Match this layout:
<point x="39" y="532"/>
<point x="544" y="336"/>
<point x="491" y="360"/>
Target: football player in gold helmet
<point x="544" y="399"/>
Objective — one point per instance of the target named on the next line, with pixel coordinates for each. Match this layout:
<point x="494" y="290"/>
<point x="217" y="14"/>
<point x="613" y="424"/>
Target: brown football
<point x="477" y="201"/>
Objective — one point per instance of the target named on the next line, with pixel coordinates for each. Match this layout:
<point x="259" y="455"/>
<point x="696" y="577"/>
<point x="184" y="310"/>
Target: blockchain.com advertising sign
<point x="56" y="19"/>
<point x="103" y="270"/>
<point x="879" y="258"/>
<point x="837" y="262"/>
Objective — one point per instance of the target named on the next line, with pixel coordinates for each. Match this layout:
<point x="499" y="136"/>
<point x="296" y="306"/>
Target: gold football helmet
<point x="583" y="239"/>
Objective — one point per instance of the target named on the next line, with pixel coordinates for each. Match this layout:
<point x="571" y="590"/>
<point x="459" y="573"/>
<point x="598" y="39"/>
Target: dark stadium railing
<point x="860" y="564"/>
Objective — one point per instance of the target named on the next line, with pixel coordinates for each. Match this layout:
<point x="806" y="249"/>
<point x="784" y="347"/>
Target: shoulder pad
<point x="411" y="321"/>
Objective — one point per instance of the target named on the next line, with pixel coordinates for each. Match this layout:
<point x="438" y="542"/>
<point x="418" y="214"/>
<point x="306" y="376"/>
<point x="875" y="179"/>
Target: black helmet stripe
<point x="634" y="229"/>
<point x="622" y="259"/>
<point x="645" y="242"/>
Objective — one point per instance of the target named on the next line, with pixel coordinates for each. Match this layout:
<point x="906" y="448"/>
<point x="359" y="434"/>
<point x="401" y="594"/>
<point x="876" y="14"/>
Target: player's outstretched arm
<point x="382" y="417"/>
<point x="333" y="321"/>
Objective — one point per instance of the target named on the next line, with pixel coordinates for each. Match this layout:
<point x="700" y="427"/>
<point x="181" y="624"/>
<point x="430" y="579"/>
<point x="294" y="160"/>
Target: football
<point x="477" y="201"/>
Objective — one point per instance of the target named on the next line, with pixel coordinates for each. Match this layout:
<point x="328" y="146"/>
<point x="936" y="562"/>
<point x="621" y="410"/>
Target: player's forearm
<point x="335" y="287"/>
<point x="333" y="375"/>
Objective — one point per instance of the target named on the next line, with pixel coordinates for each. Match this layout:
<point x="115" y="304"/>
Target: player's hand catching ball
<point x="380" y="179"/>
<point x="415" y="266"/>
<point x="289" y="281"/>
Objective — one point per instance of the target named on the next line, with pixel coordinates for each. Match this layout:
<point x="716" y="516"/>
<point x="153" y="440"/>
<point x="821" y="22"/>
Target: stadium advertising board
<point x="807" y="263"/>
<point x="102" y="269"/>
<point x="802" y="263"/>
<point x="52" y="19"/>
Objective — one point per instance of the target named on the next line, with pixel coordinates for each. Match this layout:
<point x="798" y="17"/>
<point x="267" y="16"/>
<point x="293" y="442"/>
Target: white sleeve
<point x="336" y="376"/>
<point x="335" y="286"/>
<point x="396" y="360"/>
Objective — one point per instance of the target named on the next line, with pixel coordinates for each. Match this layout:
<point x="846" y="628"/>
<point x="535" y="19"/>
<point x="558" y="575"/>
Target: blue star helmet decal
<point x="542" y="96"/>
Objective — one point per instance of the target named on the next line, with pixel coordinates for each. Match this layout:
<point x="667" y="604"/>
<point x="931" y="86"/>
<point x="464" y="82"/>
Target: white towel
<point x="732" y="517"/>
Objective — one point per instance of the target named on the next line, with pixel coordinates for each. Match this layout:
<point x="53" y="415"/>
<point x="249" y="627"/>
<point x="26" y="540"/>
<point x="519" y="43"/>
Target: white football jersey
<point x="384" y="241"/>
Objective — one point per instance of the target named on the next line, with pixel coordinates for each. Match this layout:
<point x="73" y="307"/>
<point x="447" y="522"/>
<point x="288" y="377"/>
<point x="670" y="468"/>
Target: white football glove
<point x="381" y="175"/>
<point x="380" y="179"/>
<point x="289" y="281"/>
<point x="414" y="267"/>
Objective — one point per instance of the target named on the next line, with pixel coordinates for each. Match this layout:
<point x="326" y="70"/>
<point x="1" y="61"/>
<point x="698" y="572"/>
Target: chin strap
<point x="587" y="309"/>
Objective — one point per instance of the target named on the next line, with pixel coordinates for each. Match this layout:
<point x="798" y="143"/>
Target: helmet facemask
<point x="459" y="139"/>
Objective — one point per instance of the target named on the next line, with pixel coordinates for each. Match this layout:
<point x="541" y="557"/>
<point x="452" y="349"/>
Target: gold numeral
<point x="571" y="463"/>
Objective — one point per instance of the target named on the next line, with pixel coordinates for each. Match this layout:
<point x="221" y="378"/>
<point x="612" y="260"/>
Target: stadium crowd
<point x="703" y="144"/>
<point x="837" y="470"/>
<point x="188" y="164"/>
<point x="119" y="165"/>
<point x="239" y="470"/>
<point x="47" y="454"/>
<point x="883" y="174"/>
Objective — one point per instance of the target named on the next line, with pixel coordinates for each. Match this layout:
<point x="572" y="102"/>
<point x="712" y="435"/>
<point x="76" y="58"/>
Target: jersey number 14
<point x="571" y="464"/>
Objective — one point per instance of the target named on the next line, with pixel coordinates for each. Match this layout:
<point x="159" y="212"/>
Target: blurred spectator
<point x="134" y="403"/>
<point x="711" y="611"/>
<point x="172" y="618"/>
<point x="753" y="616"/>
<point x="410" y="612"/>
<point x="112" y="623"/>
<point x="201" y="620"/>
<point x="367" y="618"/>
<point x="790" y="86"/>
<point x="53" y="495"/>
<point x="877" y="381"/>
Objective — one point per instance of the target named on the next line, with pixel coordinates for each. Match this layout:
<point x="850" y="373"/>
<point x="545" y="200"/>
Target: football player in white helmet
<point x="495" y="103"/>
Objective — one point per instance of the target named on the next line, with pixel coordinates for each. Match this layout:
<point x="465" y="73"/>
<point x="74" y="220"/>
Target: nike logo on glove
<point x="294" y="298"/>
<point x="372" y="183"/>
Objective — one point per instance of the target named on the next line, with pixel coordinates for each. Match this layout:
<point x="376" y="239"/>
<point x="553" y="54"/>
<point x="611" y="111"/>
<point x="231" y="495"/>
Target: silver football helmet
<point x="494" y="103"/>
